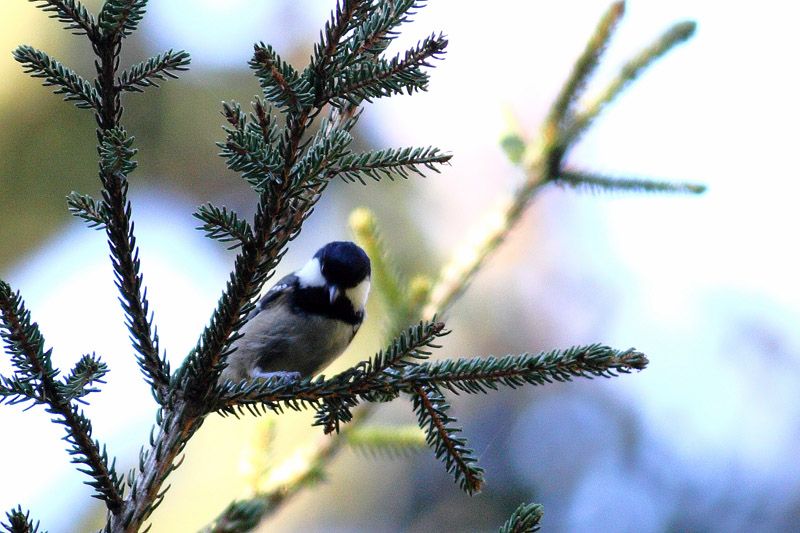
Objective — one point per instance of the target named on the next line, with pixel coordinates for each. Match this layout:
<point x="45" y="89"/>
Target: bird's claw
<point x="282" y="377"/>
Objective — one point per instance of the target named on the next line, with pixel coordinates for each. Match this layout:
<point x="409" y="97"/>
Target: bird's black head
<point x="343" y="263"/>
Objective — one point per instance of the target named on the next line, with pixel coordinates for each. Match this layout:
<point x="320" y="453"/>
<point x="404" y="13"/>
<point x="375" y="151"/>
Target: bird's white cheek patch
<point x="358" y="294"/>
<point x="311" y="274"/>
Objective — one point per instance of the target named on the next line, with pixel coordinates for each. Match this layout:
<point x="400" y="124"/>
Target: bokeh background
<point x="706" y="439"/>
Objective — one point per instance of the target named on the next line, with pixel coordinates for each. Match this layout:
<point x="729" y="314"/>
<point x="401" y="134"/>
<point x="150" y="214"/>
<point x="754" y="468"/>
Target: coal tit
<point x="306" y="319"/>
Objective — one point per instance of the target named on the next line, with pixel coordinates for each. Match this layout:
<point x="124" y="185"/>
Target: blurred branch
<point x="674" y="36"/>
<point x="543" y="157"/>
<point x="598" y="182"/>
<point x="386" y="440"/>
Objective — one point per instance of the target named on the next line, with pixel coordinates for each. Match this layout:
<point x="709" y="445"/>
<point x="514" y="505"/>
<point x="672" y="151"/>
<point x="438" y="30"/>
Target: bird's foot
<point x="282" y="377"/>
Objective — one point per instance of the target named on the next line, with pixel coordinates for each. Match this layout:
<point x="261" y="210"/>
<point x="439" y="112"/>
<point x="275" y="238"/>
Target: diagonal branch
<point x="586" y="64"/>
<point x="157" y="68"/>
<point x="73" y="15"/>
<point x="25" y="344"/>
<point x="223" y="225"/>
<point x="74" y="88"/>
<point x="431" y="408"/>
<point x="674" y="36"/>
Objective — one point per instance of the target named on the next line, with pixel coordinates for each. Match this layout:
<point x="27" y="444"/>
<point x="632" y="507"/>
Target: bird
<point x="306" y="320"/>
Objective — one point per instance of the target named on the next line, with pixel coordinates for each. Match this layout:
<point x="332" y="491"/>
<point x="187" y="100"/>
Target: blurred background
<point x="705" y="439"/>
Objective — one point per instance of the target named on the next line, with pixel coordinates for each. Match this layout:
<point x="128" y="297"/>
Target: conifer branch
<point x="379" y="78"/>
<point x="407" y="348"/>
<point x="87" y="208"/>
<point x="371" y="38"/>
<point x="19" y="522"/>
<point x="223" y="225"/>
<point x="75" y="17"/>
<point x="586" y="64"/>
<point x="88" y="370"/>
<point x="598" y="182"/>
<point x="390" y="162"/>
<point x="157" y="68"/>
<point x="281" y="83"/>
<point x="116" y="162"/>
<point x="67" y="82"/>
<point x="120" y="18"/>
<point x="341" y="21"/>
<point x="674" y="36"/>
<point x="392" y="441"/>
<point x="480" y="375"/>
<point x="431" y="408"/>
<point x="249" y="148"/>
<point x="380" y="379"/>
<point x="525" y="519"/>
<point x="13" y="391"/>
<point x="326" y="148"/>
<point x="34" y="368"/>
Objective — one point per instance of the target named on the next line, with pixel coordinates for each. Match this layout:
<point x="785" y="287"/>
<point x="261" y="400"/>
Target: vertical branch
<point x="119" y="227"/>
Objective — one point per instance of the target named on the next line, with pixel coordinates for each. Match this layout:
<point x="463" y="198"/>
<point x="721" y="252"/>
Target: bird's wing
<point x="276" y="291"/>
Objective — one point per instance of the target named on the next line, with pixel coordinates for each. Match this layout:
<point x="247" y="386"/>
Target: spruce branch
<point x="88" y="370"/>
<point x="432" y="414"/>
<point x="281" y="83"/>
<point x="379" y="78"/>
<point x="120" y="18"/>
<point x="15" y="391"/>
<point x="223" y="225"/>
<point x="598" y="182"/>
<point x="586" y="64"/>
<point x="18" y="521"/>
<point x="674" y="36"/>
<point x="479" y="375"/>
<point x="87" y="208"/>
<point x="116" y="162"/>
<point x="34" y="368"/>
<point x="391" y="441"/>
<point x="324" y="150"/>
<point x="390" y="162"/>
<point x="406" y="349"/>
<point x="67" y="82"/>
<point x="249" y="146"/>
<point x="157" y="68"/>
<point x="371" y="38"/>
<point x="72" y="14"/>
<point x="525" y="519"/>
<point x="340" y="23"/>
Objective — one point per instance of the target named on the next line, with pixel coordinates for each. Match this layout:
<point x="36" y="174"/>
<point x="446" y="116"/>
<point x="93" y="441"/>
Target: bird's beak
<point x="333" y="292"/>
